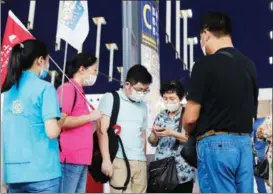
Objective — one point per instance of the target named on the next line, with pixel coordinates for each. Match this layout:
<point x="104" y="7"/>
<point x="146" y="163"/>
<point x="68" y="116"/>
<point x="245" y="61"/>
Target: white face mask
<point x="137" y="96"/>
<point x="172" y="107"/>
<point x="204" y="50"/>
<point x="44" y="72"/>
<point x="90" y="81"/>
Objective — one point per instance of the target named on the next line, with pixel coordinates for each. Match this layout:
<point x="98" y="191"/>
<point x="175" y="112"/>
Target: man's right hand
<point x="95" y="115"/>
<point x="107" y="168"/>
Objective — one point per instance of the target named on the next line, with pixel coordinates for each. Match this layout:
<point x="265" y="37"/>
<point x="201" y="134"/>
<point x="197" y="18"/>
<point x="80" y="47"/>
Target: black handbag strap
<point x="73" y="105"/>
<point x="177" y="142"/>
<point x="113" y="121"/>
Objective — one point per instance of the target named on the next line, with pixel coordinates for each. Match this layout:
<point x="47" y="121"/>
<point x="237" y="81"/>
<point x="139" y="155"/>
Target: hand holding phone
<point x="157" y="129"/>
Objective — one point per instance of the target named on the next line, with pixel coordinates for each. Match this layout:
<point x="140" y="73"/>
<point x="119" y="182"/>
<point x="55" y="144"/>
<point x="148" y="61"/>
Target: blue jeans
<point x="48" y="186"/>
<point x="260" y="184"/>
<point x="74" y="178"/>
<point x="225" y="164"/>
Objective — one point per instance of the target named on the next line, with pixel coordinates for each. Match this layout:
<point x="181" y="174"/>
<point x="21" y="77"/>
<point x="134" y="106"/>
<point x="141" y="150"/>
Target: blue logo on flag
<point x="75" y="14"/>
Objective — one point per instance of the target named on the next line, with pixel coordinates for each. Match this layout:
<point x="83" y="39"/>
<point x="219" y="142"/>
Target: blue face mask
<point x="43" y="73"/>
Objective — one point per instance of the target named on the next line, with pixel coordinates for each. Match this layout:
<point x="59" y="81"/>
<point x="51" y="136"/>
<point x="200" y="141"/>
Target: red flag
<point x="15" y="32"/>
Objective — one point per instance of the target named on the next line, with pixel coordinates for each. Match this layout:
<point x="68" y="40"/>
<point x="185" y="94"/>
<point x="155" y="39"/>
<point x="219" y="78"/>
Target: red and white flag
<point x="15" y="32"/>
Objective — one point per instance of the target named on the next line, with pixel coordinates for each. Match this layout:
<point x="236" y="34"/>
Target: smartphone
<point x="160" y="129"/>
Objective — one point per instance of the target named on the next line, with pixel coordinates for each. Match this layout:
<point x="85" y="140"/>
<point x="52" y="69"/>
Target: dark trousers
<point x="184" y="188"/>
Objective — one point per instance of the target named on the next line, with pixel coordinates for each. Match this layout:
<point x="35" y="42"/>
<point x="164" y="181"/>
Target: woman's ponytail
<point x="14" y="68"/>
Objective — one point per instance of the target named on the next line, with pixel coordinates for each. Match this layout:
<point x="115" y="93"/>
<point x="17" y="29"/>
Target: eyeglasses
<point x="145" y="91"/>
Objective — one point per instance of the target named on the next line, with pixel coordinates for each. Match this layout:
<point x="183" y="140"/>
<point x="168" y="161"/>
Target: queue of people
<point x="51" y="147"/>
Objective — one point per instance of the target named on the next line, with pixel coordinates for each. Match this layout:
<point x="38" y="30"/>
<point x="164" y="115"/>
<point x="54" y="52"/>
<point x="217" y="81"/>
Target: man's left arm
<point x="191" y="116"/>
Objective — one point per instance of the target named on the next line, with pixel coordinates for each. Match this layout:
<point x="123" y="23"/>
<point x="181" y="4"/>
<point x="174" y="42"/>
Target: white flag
<point x="74" y="23"/>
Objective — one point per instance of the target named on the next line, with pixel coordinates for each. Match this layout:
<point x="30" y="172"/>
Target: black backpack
<point x="114" y="142"/>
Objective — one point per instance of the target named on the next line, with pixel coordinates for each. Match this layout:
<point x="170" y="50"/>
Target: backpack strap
<point x="127" y="164"/>
<point x="115" y="109"/>
<point x="74" y="102"/>
<point x="75" y="99"/>
<point x="113" y="122"/>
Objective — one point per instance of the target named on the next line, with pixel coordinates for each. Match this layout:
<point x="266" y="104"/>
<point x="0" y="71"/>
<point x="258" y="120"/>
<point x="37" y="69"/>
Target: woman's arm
<point x="75" y="121"/>
<point x="53" y="127"/>
<point x="171" y="133"/>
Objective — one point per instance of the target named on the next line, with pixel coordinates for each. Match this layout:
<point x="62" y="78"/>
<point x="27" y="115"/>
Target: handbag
<point x="163" y="173"/>
<point x="162" y="176"/>
<point x="261" y="169"/>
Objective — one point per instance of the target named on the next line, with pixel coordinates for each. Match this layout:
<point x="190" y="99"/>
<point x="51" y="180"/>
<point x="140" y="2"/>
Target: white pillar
<point x="99" y="21"/>
<point x="31" y="14"/>
<point x="168" y="21"/>
<point x="58" y="39"/>
<point x="177" y="29"/>
<point x="53" y="75"/>
<point x="185" y="14"/>
<point x="120" y="70"/>
<point x="191" y="42"/>
<point x="111" y="47"/>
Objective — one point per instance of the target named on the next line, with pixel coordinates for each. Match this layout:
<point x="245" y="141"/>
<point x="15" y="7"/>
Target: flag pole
<point x="64" y="67"/>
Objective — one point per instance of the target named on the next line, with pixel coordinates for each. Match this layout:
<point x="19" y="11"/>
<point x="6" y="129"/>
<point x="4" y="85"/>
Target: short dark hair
<point x="173" y="86"/>
<point x="138" y="73"/>
<point x="217" y="23"/>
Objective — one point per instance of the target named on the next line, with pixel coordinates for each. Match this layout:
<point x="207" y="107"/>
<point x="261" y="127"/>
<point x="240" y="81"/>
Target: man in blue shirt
<point x="133" y="121"/>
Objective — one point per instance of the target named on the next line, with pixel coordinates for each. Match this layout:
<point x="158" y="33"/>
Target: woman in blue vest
<point x="260" y="148"/>
<point x="30" y="122"/>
